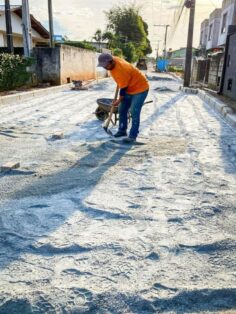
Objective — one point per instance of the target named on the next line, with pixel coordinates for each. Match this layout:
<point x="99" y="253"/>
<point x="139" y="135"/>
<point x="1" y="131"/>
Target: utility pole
<point x="158" y="46"/>
<point x="50" y="16"/>
<point x="190" y="4"/>
<point x="10" y="48"/>
<point x="26" y="26"/>
<point x="165" y="41"/>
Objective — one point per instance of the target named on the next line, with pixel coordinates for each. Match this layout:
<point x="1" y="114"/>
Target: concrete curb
<point x="188" y="90"/>
<point x="11" y="99"/>
<point x="176" y="77"/>
<point x="224" y="110"/>
<point x="21" y="96"/>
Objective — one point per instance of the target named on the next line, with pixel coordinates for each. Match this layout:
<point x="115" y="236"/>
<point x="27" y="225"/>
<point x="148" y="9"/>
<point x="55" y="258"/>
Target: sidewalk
<point x="226" y="100"/>
<point x="16" y="96"/>
<point x="225" y="109"/>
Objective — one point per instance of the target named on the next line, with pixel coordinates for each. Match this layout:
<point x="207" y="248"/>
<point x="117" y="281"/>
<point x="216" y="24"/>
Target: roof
<point x="35" y="24"/>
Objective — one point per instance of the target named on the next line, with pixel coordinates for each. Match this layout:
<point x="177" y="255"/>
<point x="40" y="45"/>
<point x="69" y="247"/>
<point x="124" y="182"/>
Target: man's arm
<point x="121" y="97"/>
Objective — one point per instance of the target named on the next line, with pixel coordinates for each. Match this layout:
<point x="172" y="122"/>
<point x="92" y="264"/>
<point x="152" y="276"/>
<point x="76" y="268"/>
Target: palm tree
<point x="98" y="38"/>
<point x="110" y="37"/>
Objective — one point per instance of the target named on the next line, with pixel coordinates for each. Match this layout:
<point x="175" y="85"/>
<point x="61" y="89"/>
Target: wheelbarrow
<point x="104" y="108"/>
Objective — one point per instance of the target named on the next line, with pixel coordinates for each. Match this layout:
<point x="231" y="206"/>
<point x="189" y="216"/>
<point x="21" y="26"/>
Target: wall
<point x="76" y="64"/>
<point x="17" y="41"/>
<point x="214" y="71"/>
<point x="215" y="22"/>
<point x="63" y="64"/>
<point x="177" y="62"/>
<point x="231" y="70"/>
<point x="1" y="40"/>
<point x="204" y="32"/>
<point x="194" y="71"/>
<point x="47" y="67"/>
<point x="229" y="7"/>
<point x="200" y="71"/>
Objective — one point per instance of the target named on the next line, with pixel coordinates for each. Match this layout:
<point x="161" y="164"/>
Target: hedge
<point x="13" y="71"/>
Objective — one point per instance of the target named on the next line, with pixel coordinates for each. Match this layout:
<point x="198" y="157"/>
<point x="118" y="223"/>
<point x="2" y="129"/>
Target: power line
<point x="177" y="17"/>
<point x="214" y="5"/>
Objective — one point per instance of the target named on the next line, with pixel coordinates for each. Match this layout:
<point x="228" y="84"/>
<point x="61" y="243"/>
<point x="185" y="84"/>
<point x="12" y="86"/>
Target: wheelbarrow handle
<point x="148" y="102"/>
<point x="112" y="109"/>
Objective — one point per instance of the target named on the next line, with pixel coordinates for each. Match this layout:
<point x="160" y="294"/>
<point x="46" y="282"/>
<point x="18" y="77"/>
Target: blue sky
<point x="79" y="19"/>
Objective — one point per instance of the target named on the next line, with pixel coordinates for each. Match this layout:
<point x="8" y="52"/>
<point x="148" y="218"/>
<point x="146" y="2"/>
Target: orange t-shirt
<point x="126" y="75"/>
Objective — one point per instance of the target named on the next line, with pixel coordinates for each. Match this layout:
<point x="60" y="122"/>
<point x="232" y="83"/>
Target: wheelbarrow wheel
<point x="101" y="114"/>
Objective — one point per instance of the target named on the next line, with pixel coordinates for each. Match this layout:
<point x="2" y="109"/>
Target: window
<point x="210" y="32"/>
<point x="201" y="40"/>
<point x="230" y="84"/>
<point x="224" y="23"/>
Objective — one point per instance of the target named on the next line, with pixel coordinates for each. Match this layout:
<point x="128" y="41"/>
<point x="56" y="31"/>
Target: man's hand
<point x="116" y="103"/>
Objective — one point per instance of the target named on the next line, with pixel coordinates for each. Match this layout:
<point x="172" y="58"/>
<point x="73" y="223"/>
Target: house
<point x="40" y="36"/>
<point x="177" y="57"/>
<point x="228" y="83"/>
<point x="208" y="66"/>
<point x="213" y="29"/>
<point x="204" y="34"/>
<point x="228" y="17"/>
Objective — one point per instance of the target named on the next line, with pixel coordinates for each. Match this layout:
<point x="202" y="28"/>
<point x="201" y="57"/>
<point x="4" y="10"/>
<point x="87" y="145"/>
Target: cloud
<point x="173" y="7"/>
<point x="79" y="19"/>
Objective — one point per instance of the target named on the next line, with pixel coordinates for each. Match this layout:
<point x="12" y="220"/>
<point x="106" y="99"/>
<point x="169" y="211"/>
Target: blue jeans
<point x="133" y="103"/>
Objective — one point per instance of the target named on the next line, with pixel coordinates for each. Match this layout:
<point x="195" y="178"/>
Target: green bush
<point x="80" y="44"/>
<point x="13" y="71"/>
<point x="175" y="69"/>
<point x="117" y="52"/>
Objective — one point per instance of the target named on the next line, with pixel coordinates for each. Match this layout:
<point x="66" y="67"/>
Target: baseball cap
<point x="104" y="59"/>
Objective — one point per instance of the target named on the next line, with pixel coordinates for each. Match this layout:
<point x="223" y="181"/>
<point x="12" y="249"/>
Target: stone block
<point x="10" y="166"/>
<point x="227" y="110"/>
<point x="219" y="106"/>
<point x="231" y="118"/>
<point x="57" y="136"/>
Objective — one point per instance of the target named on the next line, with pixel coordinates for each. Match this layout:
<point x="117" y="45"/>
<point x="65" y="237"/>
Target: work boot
<point x="129" y="140"/>
<point x="120" y="134"/>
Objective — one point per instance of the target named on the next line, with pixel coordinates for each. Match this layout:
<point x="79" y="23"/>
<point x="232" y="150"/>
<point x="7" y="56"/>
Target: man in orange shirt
<point x="133" y="92"/>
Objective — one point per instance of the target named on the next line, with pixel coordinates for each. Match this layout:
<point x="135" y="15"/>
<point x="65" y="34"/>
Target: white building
<point x="228" y="17"/>
<point x="204" y="33"/>
<point x="213" y="29"/>
<point x="40" y="35"/>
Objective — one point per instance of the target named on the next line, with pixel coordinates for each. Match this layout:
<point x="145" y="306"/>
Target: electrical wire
<point x="176" y="19"/>
<point x="214" y="5"/>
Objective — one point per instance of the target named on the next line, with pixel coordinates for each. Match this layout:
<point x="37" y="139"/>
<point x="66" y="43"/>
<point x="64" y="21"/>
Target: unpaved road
<point x="91" y="226"/>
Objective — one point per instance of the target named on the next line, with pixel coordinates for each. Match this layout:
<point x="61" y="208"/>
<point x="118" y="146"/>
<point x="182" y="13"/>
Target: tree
<point x="98" y="37"/>
<point x="128" y="27"/>
<point x="110" y="37"/>
<point x="118" y="52"/>
<point x="148" y="49"/>
<point x="130" y="52"/>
